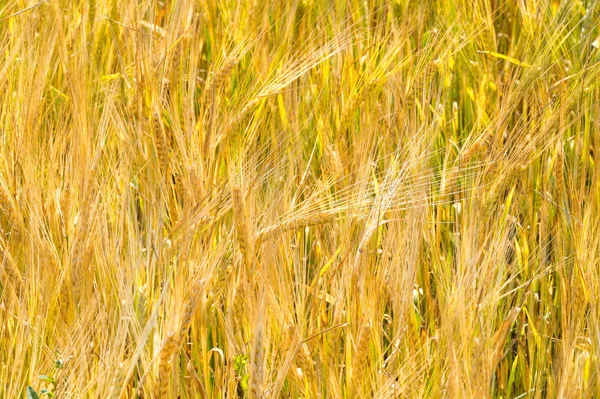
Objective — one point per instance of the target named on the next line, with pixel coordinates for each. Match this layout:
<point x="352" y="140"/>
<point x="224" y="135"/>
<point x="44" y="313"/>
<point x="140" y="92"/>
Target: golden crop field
<point x="299" y="199"/>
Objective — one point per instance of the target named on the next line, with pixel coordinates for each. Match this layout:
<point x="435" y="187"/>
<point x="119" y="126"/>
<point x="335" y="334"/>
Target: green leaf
<point x="47" y="393"/>
<point x="31" y="393"/>
<point x="505" y="57"/>
<point x="46" y="378"/>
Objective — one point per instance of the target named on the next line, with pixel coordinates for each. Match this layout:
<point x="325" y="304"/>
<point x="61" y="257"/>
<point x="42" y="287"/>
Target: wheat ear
<point x="242" y="226"/>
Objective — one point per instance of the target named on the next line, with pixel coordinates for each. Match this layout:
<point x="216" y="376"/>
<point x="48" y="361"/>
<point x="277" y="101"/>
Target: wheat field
<point x="299" y="199"/>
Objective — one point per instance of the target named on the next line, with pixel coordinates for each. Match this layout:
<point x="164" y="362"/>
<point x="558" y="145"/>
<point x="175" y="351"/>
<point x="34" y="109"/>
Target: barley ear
<point x="257" y="375"/>
<point x="242" y="226"/>
<point x="167" y="351"/>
